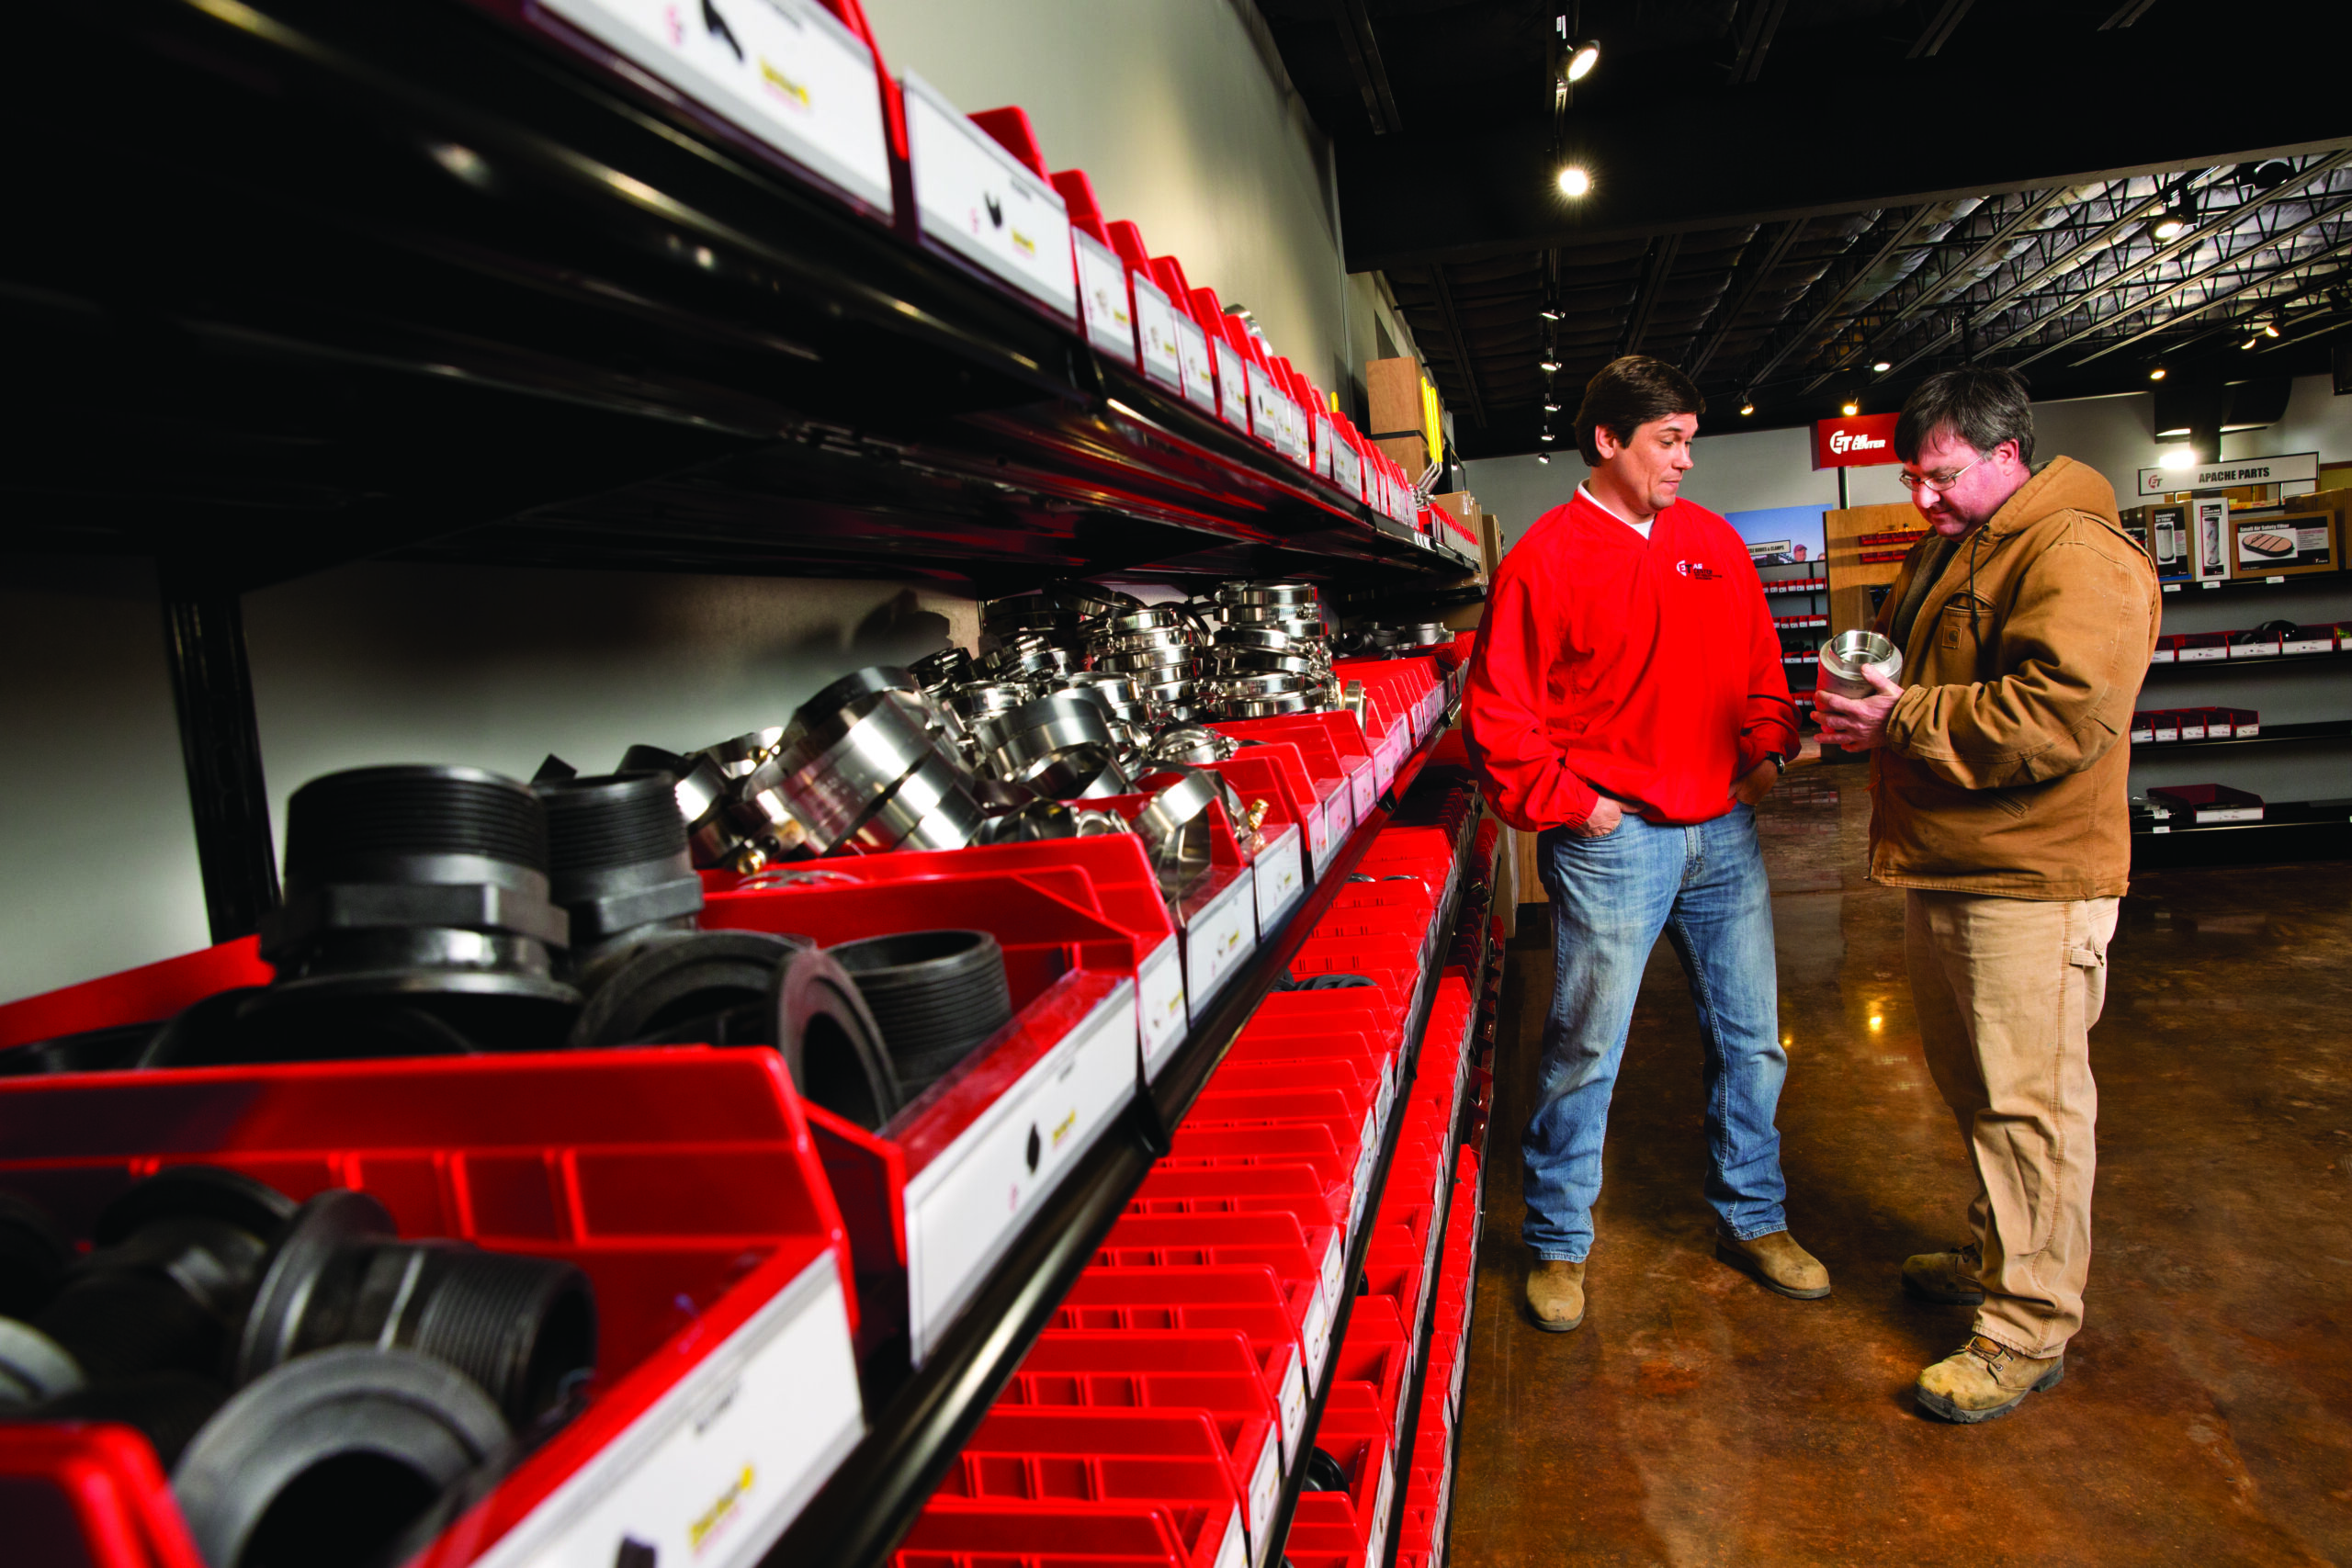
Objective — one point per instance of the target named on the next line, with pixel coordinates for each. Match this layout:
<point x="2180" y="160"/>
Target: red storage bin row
<point x="1208" y="1308"/>
<point x="683" y="1180"/>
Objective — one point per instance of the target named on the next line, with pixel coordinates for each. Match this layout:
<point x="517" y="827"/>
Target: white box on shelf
<point x="1102" y="298"/>
<point x="1163" y="361"/>
<point x="1199" y="364"/>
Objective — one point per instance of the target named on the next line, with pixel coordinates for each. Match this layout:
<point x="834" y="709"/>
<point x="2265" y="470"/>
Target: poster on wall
<point x="1781" y="536"/>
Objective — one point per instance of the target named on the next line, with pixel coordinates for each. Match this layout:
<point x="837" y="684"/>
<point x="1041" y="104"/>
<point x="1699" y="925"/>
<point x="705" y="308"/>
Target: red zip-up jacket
<point x="1645" y="668"/>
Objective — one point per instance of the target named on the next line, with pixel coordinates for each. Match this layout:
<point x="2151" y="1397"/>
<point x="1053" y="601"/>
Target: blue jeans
<point x="1705" y="888"/>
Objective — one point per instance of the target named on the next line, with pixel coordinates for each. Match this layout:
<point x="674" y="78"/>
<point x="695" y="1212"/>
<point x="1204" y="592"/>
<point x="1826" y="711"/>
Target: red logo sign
<point x="1856" y="443"/>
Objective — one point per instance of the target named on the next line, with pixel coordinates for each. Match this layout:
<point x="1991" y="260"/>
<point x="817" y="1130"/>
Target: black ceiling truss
<point x="1769" y="232"/>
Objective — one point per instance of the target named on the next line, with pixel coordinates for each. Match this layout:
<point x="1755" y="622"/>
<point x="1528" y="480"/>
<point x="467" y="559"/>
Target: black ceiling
<point x="1786" y="193"/>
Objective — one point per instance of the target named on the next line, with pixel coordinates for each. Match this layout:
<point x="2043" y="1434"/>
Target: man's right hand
<point x="1601" y="823"/>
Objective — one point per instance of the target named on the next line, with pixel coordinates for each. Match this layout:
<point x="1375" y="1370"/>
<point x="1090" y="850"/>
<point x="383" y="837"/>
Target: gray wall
<point x="97" y="850"/>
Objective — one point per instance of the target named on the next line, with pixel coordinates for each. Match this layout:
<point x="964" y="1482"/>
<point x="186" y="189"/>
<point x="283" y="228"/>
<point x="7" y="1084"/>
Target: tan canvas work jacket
<point x="2005" y="759"/>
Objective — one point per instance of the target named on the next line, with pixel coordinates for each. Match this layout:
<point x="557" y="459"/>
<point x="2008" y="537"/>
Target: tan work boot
<point x="1982" y="1380"/>
<point x="1949" y="1277"/>
<point x="1555" y="1296"/>
<point x="1776" y="1262"/>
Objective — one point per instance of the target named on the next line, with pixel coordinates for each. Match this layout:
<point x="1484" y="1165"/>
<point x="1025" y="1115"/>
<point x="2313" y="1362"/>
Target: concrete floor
<point x="2207" y="1413"/>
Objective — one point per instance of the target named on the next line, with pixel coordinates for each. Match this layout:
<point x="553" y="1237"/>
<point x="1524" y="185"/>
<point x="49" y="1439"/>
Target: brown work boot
<point x="1555" y="1295"/>
<point x="1949" y="1277"/>
<point x="1982" y="1380"/>
<point x="1776" y="1262"/>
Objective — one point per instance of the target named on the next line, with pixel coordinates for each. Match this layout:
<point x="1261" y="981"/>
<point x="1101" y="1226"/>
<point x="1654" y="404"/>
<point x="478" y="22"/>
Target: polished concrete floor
<point x="2207" y="1413"/>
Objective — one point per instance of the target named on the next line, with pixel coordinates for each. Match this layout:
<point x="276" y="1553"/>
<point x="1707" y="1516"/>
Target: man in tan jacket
<point x="1998" y="800"/>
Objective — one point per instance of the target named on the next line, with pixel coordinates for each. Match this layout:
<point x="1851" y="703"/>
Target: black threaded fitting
<point x="621" y="820"/>
<point x="344" y="827"/>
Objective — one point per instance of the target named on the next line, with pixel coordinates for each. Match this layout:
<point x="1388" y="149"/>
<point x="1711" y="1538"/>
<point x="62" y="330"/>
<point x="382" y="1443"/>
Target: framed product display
<point x="2208" y="539"/>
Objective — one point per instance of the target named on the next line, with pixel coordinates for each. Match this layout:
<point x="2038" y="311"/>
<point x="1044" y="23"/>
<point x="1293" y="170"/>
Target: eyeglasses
<point x="1916" y="482"/>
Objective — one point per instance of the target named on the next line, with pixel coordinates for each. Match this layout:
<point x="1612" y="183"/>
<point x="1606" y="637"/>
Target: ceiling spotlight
<point x="1747" y="407"/>
<point x="1574" y="181"/>
<point x="1586" y="56"/>
<point x="1546" y="436"/>
<point x="2178" y="457"/>
<point x="2178" y="217"/>
<point x="1881" y="365"/>
<point x="2158" y="374"/>
<point x="1550" y="365"/>
<point x="1544" y="457"/>
<point x="1551" y="313"/>
<point x="2270" y="327"/>
<point x="1551" y="407"/>
<point x="1851" y="410"/>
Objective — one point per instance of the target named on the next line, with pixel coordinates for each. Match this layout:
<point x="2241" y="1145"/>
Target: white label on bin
<point x="1347" y="469"/>
<point x="1318" y="836"/>
<point x="1366" y="785"/>
<point x="1383" y="1498"/>
<point x="785" y="72"/>
<point x="1384" y="765"/>
<point x="1334" y="1261"/>
<point x="1218" y="939"/>
<point x="1340" y="813"/>
<point x="716" y="1469"/>
<point x="1291" y="1405"/>
<point x="1200" y="369"/>
<point x="1232" y="384"/>
<point x="966" y="1205"/>
<point x="1233" y="1552"/>
<point x="1315" y="1334"/>
<point x="979" y="201"/>
<point x="1265" y="420"/>
<point x="1265" y="1495"/>
<point x="1279" y="876"/>
<point x="1102" y="297"/>
<point x="1159" y="1004"/>
<point x="1156" y="327"/>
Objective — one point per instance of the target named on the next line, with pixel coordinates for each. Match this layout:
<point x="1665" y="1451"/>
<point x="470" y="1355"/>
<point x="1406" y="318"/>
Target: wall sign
<point x="1863" y="441"/>
<point x="2292" y="468"/>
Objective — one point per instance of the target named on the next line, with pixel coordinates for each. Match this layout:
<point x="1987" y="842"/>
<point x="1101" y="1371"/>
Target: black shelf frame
<point x="2259" y="662"/>
<point x="2318" y="732"/>
<point x="454" y="292"/>
<point x="2289" y="830"/>
<point x="858" y="1517"/>
<point x="2327" y="581"/>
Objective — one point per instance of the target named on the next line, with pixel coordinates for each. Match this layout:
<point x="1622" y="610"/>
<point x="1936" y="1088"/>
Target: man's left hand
<point x="1857" y="724"/>
<point x="1758" y="781"/>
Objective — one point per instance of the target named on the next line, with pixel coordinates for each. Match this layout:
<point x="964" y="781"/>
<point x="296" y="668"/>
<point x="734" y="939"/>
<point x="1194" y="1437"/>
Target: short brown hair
<point x="1983" y="405"/>
<point x="1629" y="392"/>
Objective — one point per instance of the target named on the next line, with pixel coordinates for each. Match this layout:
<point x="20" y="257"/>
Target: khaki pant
<point x="2006" y="990"/>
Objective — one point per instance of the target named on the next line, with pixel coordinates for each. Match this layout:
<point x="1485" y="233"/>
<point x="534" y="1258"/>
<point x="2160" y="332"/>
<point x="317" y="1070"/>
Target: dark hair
<point x="1629" y="392"/>
<point x="1982" y="407"/>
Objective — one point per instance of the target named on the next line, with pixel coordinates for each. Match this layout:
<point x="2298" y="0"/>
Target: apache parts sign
<point x="2292" y="468"/>
<point x="1860" y="442"/>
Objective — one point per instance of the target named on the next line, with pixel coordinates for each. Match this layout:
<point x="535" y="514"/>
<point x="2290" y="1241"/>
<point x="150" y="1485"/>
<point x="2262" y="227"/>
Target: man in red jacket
<point x="1626" y="701"/>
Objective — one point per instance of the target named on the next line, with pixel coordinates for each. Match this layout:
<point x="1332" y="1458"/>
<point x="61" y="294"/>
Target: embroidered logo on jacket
<point x="1693" y="569"/>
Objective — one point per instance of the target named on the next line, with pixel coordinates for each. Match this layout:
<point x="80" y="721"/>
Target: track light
<point x="1552" y="312"/>
<point x="1747" y="407"/>
<point x="2179" y="216"/>
<point x="2267" y="174"/>
<point x="1586" y="56"/>
<point x="1544" y="457"/>
<point x="2158" y="374"/>
<point x="1881" y="366"/>
<point x="2177" y="457"/>
<point x="1550" y="365"/>
<point x="1551" y="407"/>
<point x="1574" y="181"/>
<point x="2270" y="327"/>
<point x="1546" y="436"/>
<point x="1850" y="409"/>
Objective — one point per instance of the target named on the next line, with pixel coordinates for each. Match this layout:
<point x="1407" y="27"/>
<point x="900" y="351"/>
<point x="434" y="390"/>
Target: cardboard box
<point x="2322" y="522"/>
<point x="1410" y="452"/>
